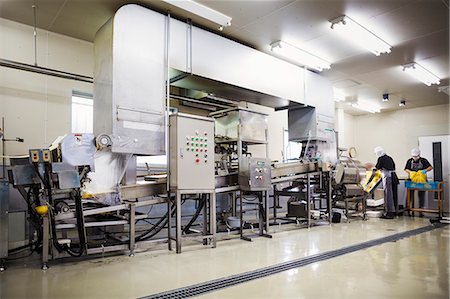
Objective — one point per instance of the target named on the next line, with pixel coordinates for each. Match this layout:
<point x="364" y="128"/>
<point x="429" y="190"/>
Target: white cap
<point x="379" y="151"/>
<point x="415" y="152"/>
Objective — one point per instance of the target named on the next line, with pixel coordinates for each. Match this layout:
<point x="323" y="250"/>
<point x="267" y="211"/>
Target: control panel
<point x="254" y="174"/>
<point x="191" y="152"/>
<point x="40" y="156"/>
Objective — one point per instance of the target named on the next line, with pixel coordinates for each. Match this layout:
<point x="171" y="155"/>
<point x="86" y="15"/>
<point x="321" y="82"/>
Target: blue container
<point x="423" y="186"/>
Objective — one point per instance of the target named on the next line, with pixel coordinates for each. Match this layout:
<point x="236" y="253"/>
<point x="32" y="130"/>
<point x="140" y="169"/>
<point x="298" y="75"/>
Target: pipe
<point x="44" y="71"/>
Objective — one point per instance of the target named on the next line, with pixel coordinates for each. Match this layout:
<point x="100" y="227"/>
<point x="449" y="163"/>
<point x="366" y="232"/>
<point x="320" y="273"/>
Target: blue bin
<point x="424" y="186"/>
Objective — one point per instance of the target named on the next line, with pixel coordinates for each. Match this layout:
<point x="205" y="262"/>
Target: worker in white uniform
<point x="390" y="181"/>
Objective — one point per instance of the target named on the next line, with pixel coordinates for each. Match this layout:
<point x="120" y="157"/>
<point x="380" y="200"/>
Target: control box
<point x="254" y="174"/>
<point x="191" y="152"/>
<point x="40" y="156"/>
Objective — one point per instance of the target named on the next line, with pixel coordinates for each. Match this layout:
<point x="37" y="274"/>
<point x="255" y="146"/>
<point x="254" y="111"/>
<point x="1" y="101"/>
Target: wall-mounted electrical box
<point x="191" y="152"/>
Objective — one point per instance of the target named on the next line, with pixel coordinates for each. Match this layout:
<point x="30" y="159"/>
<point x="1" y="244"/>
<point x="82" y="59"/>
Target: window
<point x="82" y="113"/>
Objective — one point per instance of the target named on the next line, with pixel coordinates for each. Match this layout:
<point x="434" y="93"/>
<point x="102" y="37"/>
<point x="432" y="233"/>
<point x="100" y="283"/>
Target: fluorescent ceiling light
<point x="202" y="11"/>
<point x="444" y="89"/>
<point x="421" y="73"/>
<point x="302" y="57"/>
<point x="359" y="35"/>
<point x="365" y="106"/>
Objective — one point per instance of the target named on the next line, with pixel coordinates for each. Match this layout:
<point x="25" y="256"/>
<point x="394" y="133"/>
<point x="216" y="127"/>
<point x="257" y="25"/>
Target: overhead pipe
<point x="44" y="71"/>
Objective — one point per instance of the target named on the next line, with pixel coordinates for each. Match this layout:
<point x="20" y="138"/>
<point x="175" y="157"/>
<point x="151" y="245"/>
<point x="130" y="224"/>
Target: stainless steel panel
<point x="129" y="76"/>
<point x="68" y="180"/>
<point x="306" y="123"/>
<point x="227" y="91"/>
<point x="4" y="207"/>
<point x="73" y="150"/>
<point x="230" y="179"/>
<point x="24" y="175"/>
<point x="292" y="168"/>
<point x="254" y="174"/>
<point x="142" y="190"/>
<point x="191" y="152"/>
<point x="250" y="125"/>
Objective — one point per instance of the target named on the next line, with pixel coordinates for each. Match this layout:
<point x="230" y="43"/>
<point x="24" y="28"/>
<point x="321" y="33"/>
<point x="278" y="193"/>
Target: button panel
<point x="195" y="144"/>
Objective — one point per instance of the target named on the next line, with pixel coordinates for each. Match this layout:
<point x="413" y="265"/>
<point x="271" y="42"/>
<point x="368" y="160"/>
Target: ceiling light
<point x="359" y="35"/>
<point x="202" y="11"/>
<point x="402" y="103"/>
<point x="421" y="73"/>
<point x="300" y="56"/>
<point x="385" y="97"/>
<point x="365" y="106"/>
<point x="444" y="89"/>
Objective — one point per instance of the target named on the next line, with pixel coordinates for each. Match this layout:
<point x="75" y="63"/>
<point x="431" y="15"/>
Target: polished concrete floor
<point x="415" y="267"/>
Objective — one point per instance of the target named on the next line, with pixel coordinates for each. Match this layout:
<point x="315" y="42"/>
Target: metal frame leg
<point x="308" y="199"/>
<point x="212" y="218"/>
<point x="330" y="199"/>
<point x="275" y="203"/>
<point x="132" y="233"/>
<point x="233" y="203"/>
<point x="169" y="223"/>
<point x="178" y="221"/>
<point x="266" y="205"/>
<point x="206" y="229"/>
<point x="45" y="241"/>
<point x="261" y="212"/>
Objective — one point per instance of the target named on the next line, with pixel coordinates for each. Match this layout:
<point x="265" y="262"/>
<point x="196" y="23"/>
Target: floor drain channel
<point x="217" y="284"/>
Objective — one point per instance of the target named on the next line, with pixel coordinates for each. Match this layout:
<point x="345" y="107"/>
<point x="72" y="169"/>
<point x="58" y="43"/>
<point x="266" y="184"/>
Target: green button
<point x="201" y="144"/>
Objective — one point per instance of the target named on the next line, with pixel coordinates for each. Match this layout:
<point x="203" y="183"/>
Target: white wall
<point x="396" y="131"/>
<point x="345" y="124"/>
<point x="38" y="107"/>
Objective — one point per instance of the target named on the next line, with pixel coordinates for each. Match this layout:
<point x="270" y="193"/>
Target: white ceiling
<point x="417" y="30"/>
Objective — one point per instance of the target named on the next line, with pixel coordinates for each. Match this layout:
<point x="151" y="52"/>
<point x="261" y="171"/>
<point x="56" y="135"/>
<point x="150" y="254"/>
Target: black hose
<point x="157" y="227"/>
<point x="201" y="204"/>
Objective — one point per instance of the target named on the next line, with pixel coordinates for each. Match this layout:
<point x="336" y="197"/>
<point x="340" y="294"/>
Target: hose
<point x="196" y="214"/>
<point x="157" y="227"/>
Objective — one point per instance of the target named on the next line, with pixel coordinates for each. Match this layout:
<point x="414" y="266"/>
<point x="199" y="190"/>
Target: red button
<point x="197" y="160"/>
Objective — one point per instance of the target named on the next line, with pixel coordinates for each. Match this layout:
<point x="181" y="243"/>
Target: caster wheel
<point x="44" y="267"/>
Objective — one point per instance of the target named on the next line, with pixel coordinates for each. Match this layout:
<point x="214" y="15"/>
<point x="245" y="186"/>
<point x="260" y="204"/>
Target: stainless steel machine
<point x="348" y="190"/>
<point x="237" y="132"/>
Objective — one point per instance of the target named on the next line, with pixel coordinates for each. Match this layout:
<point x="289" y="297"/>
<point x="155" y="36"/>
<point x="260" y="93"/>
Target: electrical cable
<point x="158" y="226"/>
<point x="201" y="204"/>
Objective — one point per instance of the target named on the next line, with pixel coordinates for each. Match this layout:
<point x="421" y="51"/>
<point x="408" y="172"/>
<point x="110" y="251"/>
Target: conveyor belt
<point x="217" y="284"/>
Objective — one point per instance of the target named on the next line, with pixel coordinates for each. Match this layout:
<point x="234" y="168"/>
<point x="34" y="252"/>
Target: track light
<point x="421" y="73"/>
<point x="357" y="34"/>
<point x="300" y="56"/>
<point x="366" y="106"/>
